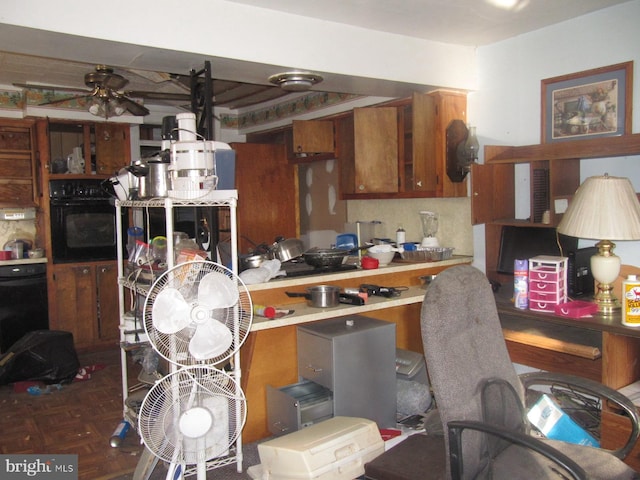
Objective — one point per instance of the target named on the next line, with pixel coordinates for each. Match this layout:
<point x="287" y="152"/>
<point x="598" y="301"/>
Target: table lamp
<point x="603" y="208"/>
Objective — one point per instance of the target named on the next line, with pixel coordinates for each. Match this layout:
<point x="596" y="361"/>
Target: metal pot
<point x="320" y="296"/>
<point x="252" y="261"/>
<point x="326" y="257"/>
<point x="288" y="249"/>
<point x="158" y="177"/>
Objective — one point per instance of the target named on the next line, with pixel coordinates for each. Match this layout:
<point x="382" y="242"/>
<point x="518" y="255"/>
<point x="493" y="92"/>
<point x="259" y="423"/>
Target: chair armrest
<point x="456" y="427"/>
<point x="584" y="385"/>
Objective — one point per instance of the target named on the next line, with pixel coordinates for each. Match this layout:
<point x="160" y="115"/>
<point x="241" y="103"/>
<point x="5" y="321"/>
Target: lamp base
<point x="605" y="299"/>
<point x="605" y="267"/>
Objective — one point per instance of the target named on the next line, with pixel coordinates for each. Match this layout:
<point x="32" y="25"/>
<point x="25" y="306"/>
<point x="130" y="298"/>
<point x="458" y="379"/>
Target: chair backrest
<point x="464" y="351"/>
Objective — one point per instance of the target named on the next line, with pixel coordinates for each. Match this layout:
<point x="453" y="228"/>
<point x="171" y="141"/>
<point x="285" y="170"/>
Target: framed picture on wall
<point x="590" y="104"/>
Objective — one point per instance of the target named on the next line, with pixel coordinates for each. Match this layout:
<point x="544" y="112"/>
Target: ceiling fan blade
<point x="133" y="107"/>
<point x="179" y="97"/>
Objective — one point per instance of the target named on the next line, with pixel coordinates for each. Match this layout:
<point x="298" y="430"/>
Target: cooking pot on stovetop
<point x="287" y="249"/>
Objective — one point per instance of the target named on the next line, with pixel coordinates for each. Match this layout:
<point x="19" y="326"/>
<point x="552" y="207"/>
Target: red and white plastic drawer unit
<point x="547" y="282"/>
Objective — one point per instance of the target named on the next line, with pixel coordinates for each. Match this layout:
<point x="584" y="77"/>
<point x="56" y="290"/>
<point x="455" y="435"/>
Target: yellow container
<point x="631" y="301"/>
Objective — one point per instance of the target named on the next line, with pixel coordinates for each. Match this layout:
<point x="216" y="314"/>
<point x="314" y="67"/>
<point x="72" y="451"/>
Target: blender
<point x="429" y="228"/>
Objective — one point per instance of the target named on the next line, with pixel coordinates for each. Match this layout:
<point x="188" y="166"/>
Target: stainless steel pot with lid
<point x="288" y="249"/>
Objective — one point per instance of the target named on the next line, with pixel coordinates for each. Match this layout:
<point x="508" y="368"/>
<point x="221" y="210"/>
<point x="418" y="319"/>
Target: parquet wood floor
<point x="78" y="419"/>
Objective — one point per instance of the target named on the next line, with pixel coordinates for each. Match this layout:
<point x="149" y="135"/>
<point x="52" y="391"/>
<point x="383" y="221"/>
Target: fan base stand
<point x="146" y="465"/>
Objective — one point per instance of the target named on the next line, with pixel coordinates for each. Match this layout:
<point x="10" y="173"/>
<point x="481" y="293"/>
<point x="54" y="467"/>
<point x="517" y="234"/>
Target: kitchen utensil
<point x="384" y="258"/>
<point x="428" y="254"/>
<point x="288" y="249"/>
<point x="139" y="180"/>
<point x="320" y="296"/>
<point x="120" y="185"/>
<point x="158" y="177"/>
<point x="383" y="253"/>
<point x="328" y="257"/>
<point x="36" y="253"/>
<point x="252" y="261"/>
<point x="17" y="250"/>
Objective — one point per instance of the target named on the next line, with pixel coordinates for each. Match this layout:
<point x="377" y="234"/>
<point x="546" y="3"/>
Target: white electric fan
<point x="196" y="315"/>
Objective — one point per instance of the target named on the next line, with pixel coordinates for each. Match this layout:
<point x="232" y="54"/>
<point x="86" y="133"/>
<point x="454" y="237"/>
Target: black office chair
<point x="481" y="399"/>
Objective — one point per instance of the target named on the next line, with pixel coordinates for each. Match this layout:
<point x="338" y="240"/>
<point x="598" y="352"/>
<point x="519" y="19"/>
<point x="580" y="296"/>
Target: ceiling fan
<point x="106" y="98"/>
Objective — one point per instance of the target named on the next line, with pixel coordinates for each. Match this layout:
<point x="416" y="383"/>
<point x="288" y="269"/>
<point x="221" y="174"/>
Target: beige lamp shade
<point x="603" y="207"/>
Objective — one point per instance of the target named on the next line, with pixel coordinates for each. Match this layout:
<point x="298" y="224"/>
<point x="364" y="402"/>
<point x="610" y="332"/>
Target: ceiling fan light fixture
<point x="105" y="107"/>
<point x="295" y="81"/>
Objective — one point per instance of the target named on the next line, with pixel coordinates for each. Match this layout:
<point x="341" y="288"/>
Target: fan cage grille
<point x="181" y="391"/>
<point x="186" y="277"/>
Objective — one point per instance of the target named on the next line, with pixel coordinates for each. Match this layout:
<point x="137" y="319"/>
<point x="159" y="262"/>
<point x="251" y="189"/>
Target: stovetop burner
<point x="301" y="269"/>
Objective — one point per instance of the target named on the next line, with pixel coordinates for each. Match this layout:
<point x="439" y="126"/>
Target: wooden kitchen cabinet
<point x="426" y="166"/>
<point x="105" y="147"/>
<point x="398" y="150"/>
<point x="19" y="181"/>
<point x="367" y="151"/>
<point x="85" y="302"/>
<point x="267" y="186"/>
<point x="311" y="138"/>
<point x="113" y="147"/>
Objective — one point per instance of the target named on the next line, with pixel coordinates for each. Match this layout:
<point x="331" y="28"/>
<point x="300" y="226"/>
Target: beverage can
<point x="631" y="301"/>
<point x="521" y="284"/>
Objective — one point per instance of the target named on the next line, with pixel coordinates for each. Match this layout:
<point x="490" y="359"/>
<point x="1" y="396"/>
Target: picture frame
<point x="589" y="104"/>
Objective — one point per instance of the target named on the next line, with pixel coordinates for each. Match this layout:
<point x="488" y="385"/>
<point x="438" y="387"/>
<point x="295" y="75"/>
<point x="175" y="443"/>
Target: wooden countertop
<point x="22" y="261"/>
<point x="392" y="275"/>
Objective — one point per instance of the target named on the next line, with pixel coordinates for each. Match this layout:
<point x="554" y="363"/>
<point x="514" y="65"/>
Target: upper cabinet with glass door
<point x="79" y="148"/>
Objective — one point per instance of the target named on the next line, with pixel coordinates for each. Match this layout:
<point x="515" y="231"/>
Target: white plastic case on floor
<point x="335" y="449"/>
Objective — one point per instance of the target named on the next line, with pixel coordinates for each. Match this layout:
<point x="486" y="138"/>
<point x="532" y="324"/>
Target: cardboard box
<point x="555" y="424"/>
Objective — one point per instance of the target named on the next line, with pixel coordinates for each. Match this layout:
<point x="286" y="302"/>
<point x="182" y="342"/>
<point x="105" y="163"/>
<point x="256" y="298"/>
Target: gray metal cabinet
<point x="346" y="367"/>
<point x="354" y="357"/>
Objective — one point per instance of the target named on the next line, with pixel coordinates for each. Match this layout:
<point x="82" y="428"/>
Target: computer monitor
<point x="526" y="242"/>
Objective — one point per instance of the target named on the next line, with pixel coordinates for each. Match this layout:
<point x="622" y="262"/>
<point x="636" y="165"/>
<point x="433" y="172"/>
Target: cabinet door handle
<point x="314" y="369"/>
<point x="419" y="183"/>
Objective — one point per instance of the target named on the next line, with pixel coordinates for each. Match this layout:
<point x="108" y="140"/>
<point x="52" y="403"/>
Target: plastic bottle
<point x="119" y="434"/>
<point x="400" y="236"/>
<point x="521" y="284"/>
<point x="631" y="301"/>
<point x="264" y="311"/>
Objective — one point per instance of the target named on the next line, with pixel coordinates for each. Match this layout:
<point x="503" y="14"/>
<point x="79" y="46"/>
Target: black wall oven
<point x="83" y="221"/>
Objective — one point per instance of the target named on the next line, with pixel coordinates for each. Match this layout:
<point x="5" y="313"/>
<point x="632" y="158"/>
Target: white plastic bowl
<point x="384" y="258"/>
